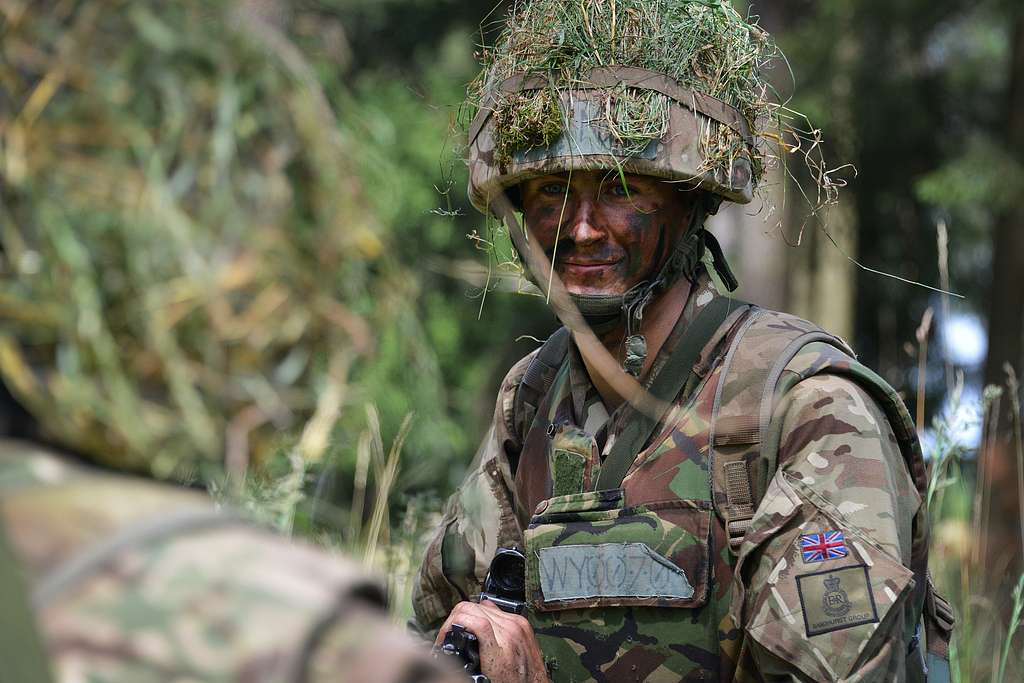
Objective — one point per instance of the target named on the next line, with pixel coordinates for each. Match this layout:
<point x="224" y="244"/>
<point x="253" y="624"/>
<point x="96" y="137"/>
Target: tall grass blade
<point x="922" y="365"/>
<point x="1018" y="441"/>
<point x="379" y="519"/>
<point x="1018" y="607"/>
<point x="363" y="454"/>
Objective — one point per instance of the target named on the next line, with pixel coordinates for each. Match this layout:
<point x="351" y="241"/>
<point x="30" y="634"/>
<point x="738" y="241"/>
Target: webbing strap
<point x="542" y="369"/>
<point x="665" y="387"/>
<point x="23" y="657"/>
<point x="938" y="623"/>
<point x="537" y="380"/>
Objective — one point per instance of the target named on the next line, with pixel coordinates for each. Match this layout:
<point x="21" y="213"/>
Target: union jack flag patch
<point x="829" y="545"/>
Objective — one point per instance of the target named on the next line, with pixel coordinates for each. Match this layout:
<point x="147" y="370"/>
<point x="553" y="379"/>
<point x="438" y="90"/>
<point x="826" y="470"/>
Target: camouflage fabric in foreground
<point x="137" y="582"/>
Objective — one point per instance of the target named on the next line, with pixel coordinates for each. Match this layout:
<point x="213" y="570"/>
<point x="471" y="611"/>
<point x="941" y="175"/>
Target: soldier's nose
<point x="583" y="227"/>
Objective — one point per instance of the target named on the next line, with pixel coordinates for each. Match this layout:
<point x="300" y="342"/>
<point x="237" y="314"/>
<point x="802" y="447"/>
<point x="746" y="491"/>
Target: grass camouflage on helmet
<point x="668" y="88"/>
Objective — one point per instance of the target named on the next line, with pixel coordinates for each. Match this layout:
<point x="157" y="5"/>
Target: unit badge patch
<point x="837" y="599"/>
<point x="829" y="545"/>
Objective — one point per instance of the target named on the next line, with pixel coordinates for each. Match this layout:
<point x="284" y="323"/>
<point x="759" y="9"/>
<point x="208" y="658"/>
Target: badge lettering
<point x="609" y="570"/>
<point x="837" y="599"/>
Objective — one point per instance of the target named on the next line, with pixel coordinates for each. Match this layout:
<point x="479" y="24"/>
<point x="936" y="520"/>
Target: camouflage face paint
<point x="605" y="235"/>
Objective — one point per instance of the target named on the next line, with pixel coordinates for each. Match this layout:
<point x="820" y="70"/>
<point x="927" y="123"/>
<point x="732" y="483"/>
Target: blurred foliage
<point x="968" y="557"/>
<point x="185" y="243"/>
<point x="214" y="233"/>
<point x="914" y="94"/>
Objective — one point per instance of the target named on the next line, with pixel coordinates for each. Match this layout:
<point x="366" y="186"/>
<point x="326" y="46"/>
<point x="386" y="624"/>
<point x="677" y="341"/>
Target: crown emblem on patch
<point x="835" y="602"/>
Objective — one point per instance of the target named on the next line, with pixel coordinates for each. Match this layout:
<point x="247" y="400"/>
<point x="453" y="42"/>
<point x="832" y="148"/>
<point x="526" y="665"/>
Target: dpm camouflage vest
<point x="635" y="582"/>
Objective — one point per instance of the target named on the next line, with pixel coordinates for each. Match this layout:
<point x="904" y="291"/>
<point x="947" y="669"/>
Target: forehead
<point x="603" y="177"/>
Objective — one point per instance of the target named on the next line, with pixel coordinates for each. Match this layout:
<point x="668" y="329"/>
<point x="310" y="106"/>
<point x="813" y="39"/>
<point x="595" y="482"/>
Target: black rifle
<point x="505" y="586"/>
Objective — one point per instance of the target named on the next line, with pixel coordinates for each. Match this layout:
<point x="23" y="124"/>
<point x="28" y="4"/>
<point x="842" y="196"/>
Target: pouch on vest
<point x="574" y="461"/>
<point x="588" y="554"/>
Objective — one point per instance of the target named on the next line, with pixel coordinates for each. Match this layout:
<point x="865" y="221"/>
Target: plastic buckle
<point x="939" y="609"/>
<point x="737" y="531"/>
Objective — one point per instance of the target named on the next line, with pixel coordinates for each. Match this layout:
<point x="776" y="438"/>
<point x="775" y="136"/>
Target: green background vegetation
<point x="235" y="250"/>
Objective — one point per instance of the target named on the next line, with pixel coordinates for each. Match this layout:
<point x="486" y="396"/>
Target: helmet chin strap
<point x="606" y="312"/>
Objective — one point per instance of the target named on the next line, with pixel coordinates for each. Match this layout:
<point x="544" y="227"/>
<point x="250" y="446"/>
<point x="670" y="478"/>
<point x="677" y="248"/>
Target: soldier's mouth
<point x="585" y="266"/>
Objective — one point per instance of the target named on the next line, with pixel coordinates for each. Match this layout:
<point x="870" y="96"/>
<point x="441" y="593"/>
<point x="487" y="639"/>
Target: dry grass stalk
<point x="922" y="365"/>
<point x="387" y="474"/>
<point x="1013" y="385"/>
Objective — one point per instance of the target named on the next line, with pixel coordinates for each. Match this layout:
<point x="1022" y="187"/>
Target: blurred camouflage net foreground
<point x="182" y="239"/>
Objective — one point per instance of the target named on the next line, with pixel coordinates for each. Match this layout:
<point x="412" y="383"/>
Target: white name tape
<point x="609" y="570"/>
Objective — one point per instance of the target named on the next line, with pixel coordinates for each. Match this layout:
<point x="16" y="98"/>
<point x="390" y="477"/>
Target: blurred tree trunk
<point x="812" y="279"/>
<point x="822" y="279"/>
<point x="757" y="253"/>
<point x="1006" y="327"/>
<point x="1006" y="297"/>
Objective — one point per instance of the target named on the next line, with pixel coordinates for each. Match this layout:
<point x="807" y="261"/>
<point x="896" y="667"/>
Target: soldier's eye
<point x="622" y="190"/>
<point x="553" y="189"/>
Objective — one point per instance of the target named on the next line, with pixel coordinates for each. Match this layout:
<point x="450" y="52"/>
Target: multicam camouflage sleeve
<point x="478" y="519"/>
<point x="138" y="582"/>
<point x="824" y="585"/>
<point x="364" y="646"/>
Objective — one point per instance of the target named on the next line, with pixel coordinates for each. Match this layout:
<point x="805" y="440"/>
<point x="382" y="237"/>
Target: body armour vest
<point x="631" y="583"/>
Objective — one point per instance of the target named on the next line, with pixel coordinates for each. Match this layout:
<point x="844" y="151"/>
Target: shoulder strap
<point x="666" y="387"/>
<point x="21" y="647"/>
<point x="536" y="382"/>
<point x="743" y="457"/>
<point x="757" y="372"/>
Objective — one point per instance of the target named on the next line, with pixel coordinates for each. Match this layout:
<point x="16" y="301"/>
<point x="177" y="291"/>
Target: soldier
<point x="754" y="512"/>
<point x="131" y="581"/>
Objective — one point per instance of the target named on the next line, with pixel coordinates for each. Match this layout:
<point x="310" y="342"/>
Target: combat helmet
<point x="664" y="88"/>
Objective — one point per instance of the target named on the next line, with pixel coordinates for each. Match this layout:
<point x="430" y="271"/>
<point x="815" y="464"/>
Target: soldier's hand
<point x="509" y="652"/>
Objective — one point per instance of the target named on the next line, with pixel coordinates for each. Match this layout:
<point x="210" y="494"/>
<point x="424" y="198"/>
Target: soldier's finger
<point x="478" y="622"/>
<point x="509" y="623"/>
<point x="453" y="618"/>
